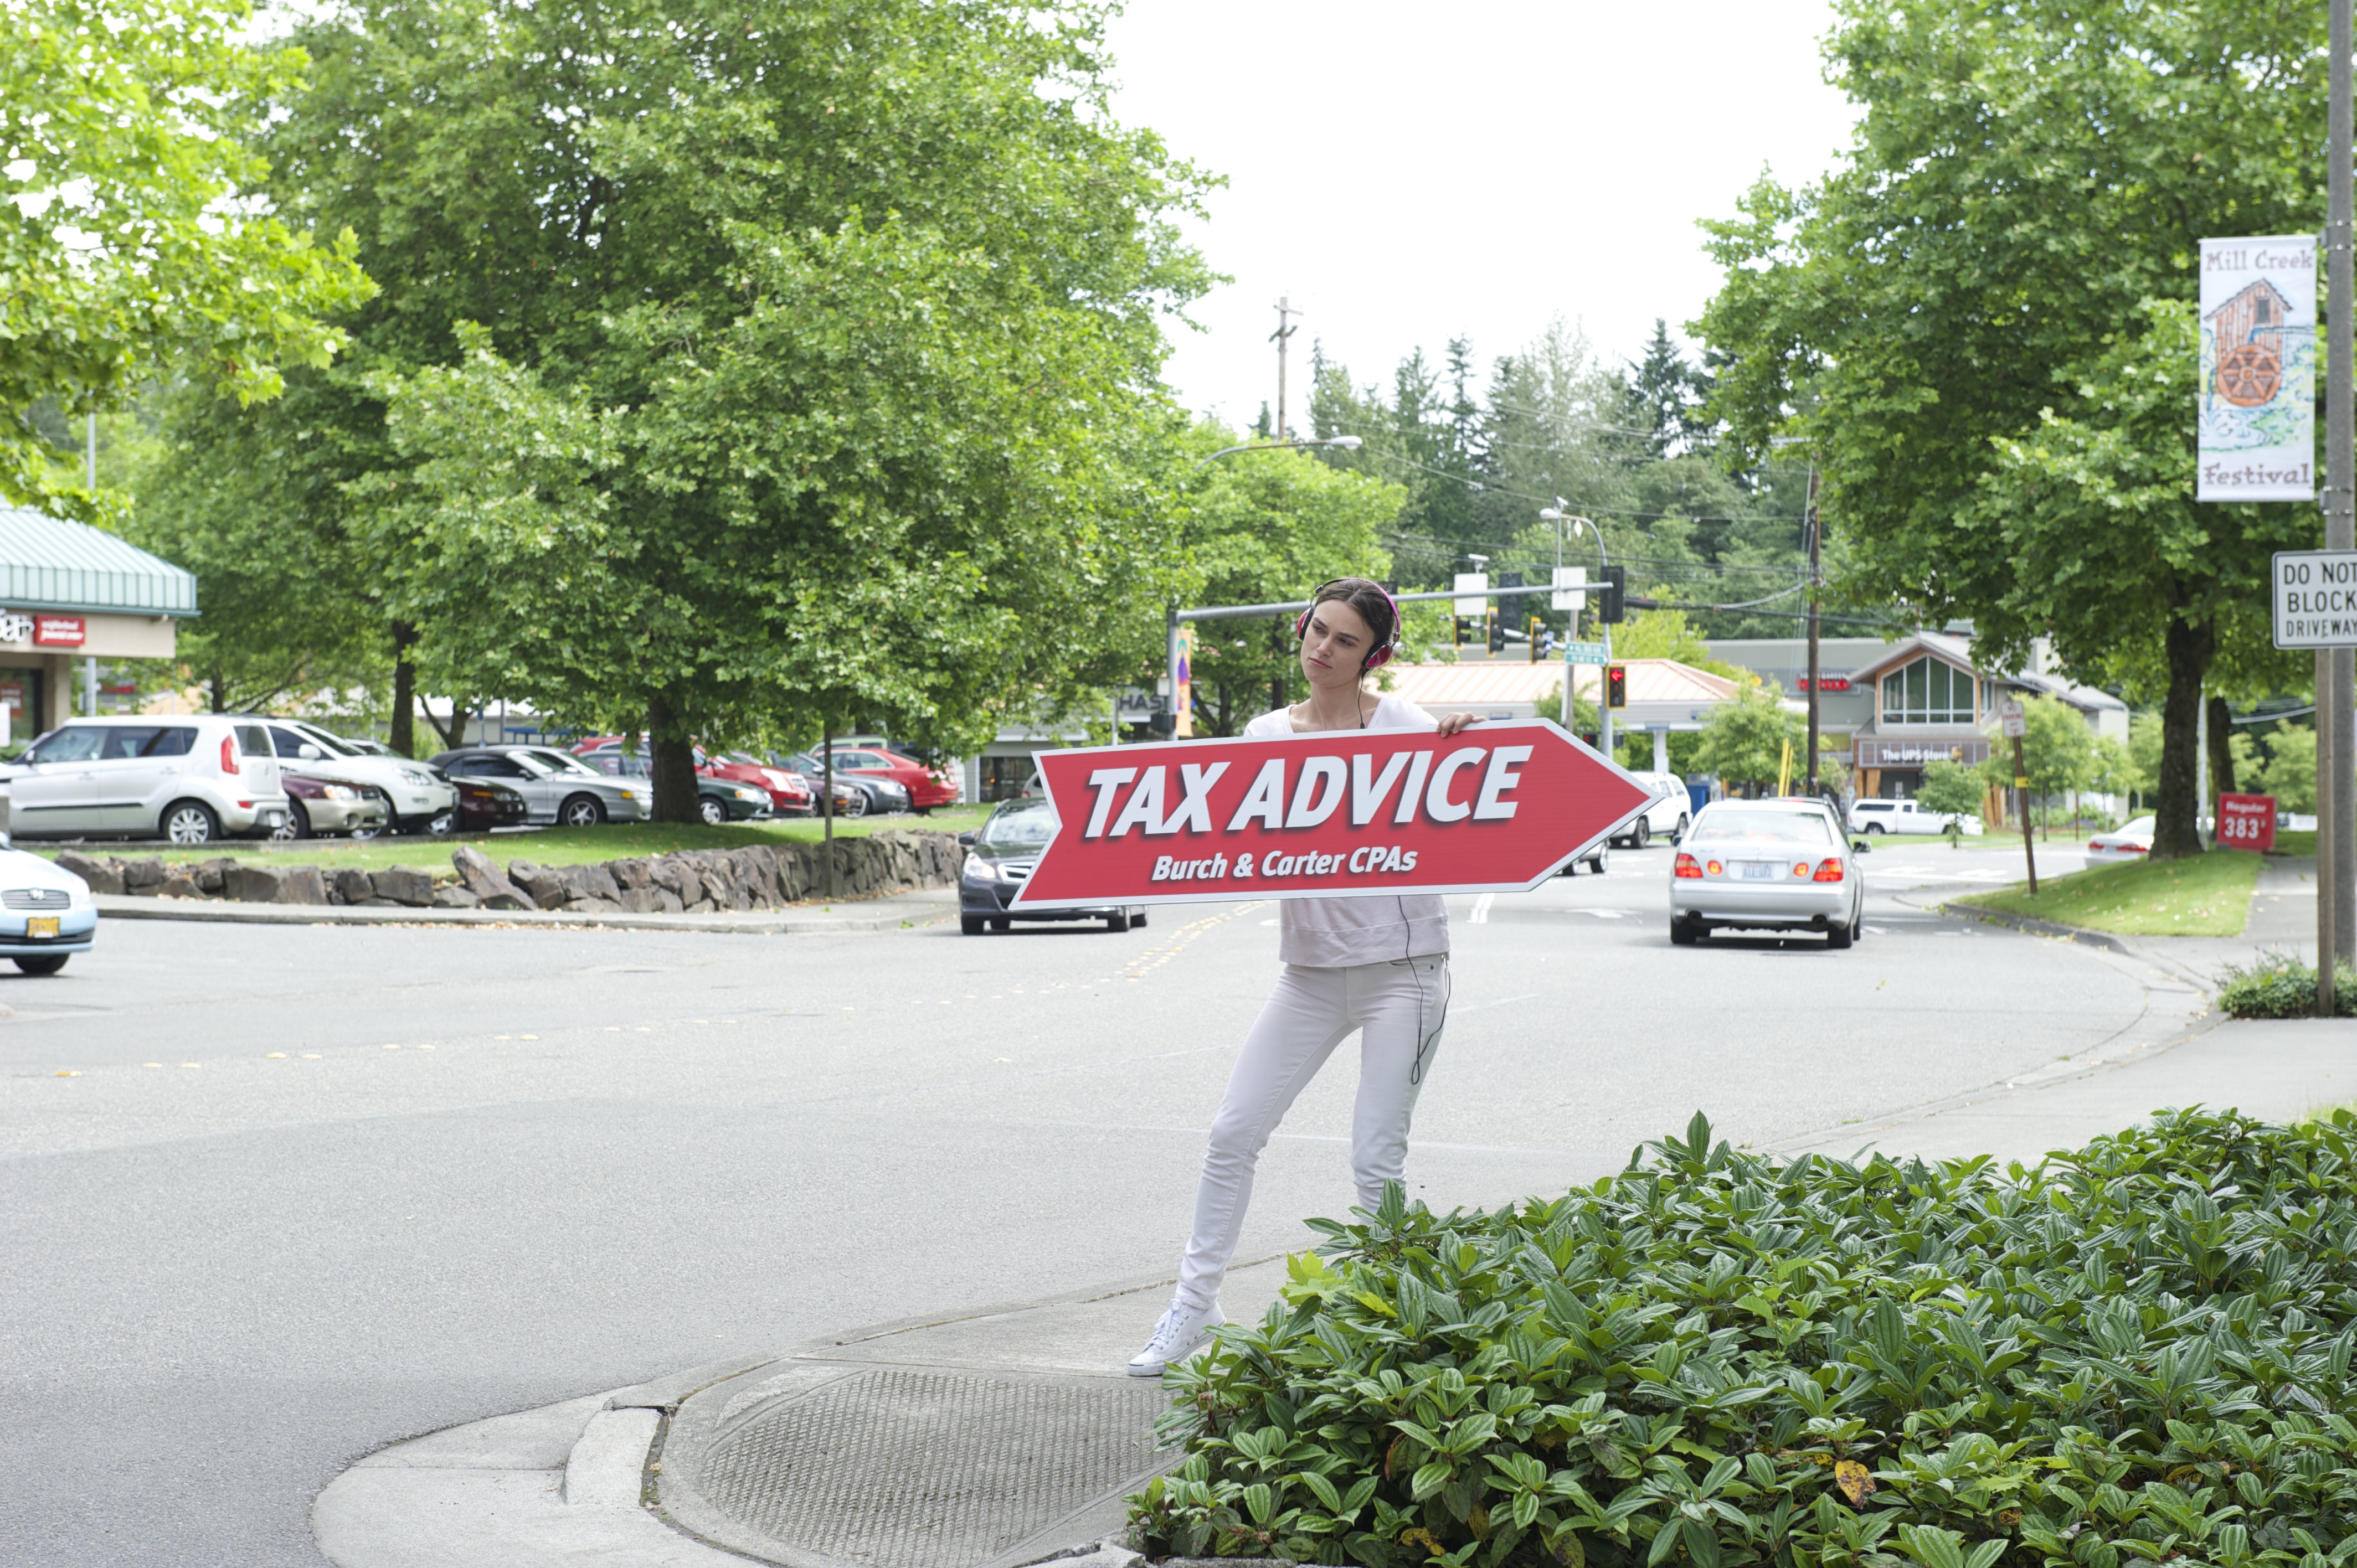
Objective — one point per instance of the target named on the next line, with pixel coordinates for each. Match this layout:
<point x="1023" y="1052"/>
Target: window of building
<point x="1928" y="692"/>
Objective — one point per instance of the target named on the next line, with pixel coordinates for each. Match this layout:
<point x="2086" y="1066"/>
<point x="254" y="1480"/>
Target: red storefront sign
<point x="2247" y="822"/>
<point x="59" y="632"/>
<point x="1826" y="684"/>
<point x="1341" y="814"/>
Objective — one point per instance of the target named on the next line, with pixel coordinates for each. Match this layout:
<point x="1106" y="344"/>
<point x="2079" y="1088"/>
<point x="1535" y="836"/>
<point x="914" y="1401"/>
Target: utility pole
<point x="2336" y="678"/>
<point x="1809" y="523"/>
<point x="90" y="457"/>
<point x="1284" y="330"/>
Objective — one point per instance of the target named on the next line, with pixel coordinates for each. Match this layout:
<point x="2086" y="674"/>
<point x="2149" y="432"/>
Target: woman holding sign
<point x="1376" y="965"/>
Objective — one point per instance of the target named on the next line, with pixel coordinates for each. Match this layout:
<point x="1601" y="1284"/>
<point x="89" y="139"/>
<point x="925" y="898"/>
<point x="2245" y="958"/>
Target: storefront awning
<point x="49" y="563"/>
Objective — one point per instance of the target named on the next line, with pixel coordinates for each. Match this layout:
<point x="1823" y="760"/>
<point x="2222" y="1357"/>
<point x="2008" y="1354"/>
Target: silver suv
<point x="190" y="778"/>
<point x="421" y="801"/>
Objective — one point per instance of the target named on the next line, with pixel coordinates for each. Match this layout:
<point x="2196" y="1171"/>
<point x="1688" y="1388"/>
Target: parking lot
<point x="378" y="1181"/>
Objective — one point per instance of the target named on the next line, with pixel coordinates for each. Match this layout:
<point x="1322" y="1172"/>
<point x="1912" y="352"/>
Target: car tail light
<point x="229" y="753"/>
<point x="1831" y="871"/>
<point x="1686" y="866"/>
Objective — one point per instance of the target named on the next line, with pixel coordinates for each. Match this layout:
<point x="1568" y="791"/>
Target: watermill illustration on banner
<point x="2249" y="332"/>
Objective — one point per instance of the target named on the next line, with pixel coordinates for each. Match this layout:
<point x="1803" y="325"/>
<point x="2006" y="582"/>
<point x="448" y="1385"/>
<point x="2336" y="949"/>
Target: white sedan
<point x="2130" y="842"/>
<point x="1776" y="866"/>
<point x="45" y="913"/>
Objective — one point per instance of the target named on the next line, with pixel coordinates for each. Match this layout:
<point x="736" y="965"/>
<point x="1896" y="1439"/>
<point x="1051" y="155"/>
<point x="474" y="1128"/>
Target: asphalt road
<point x="315" y="1189"/>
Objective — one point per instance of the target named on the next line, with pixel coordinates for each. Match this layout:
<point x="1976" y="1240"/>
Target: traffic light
<point x="1615" y="685"/>
<point x="1460" y="631"/>
<point x="1607" y="603"/>
<point x="1537" y="630"/>
<point x="1497" y="635"/>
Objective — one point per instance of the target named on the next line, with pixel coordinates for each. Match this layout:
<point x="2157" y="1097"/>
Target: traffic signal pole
<point x="2336" y="727"/>
<point x="1809" y="524"/>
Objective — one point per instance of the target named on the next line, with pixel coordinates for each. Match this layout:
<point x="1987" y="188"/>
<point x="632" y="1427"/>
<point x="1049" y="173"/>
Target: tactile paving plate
<point x="919" y="1470"/>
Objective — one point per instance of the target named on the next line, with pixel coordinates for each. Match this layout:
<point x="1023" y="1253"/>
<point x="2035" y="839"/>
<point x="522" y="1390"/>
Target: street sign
<point x="1338" y="814"/>
<point x="2016" y="722"/>
<point x="1568" y="595"/>
<point x="1476" y="586"/>
<point x="2316" y="599"/>
<point x="1587" y="653"/>
<point x="2247" y="822"/>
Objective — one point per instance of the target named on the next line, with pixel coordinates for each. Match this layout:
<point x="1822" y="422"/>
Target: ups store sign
<point x="1916" y="753"/>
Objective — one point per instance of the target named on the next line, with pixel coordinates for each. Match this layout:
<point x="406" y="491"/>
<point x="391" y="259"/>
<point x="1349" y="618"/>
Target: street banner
<point x="2247" y="822"/>
<point x="1182" y="686"/>
<point x="2255" y="407"/>
<point x="1340" y="814"/>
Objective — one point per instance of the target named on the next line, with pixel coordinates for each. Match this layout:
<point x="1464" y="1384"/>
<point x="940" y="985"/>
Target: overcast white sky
<point x="1406" y="173"/>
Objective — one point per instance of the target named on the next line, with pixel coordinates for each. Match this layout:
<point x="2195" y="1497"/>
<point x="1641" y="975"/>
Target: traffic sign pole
<point x="2016" y="722"/>
<point x="2336" y="904"/>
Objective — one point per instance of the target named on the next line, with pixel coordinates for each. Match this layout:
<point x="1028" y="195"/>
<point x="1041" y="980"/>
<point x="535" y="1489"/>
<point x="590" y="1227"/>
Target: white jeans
<point x="1399" y="1006"/>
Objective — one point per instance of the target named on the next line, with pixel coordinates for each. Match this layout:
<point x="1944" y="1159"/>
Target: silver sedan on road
<point x="1776" y="866"/>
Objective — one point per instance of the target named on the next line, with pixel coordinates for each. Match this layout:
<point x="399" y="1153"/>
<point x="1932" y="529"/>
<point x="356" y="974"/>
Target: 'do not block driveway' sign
<point x="1338" y="814"/>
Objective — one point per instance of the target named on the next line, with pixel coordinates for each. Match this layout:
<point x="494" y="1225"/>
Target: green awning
<point x="49" y="563"/>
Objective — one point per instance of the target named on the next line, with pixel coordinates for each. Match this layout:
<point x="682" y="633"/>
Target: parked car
<point x="1668" y="817"/>
<point x="788" y="793"/>
<point x="1778" y="865"/>
<point x="485" y="803"/>
<point x="45" y="913"/>
<point x="1906" y="817"/>
<point x="416" y="800"/>
<point x="718" y="799"/>
<point x="2130" y="841"/>
<point x="877" y="790"/>
<point x="318" y="806"/>
<point x="926" y="787"/>
<point x="1001" y="854"/>
<point x="191" y="780"/>
<point x="558" y="787"/>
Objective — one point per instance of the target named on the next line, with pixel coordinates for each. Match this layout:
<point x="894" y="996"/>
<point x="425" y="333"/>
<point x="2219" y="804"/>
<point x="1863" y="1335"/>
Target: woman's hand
<point x="1456" y="722"/>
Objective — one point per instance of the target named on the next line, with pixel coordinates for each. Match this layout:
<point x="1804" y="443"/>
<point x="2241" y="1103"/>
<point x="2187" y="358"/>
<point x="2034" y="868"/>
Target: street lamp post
<point x="1170" y="622"/>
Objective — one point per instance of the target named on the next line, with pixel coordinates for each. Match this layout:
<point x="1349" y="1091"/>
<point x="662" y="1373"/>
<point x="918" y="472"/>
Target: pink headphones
<point x="1378" y="656"/>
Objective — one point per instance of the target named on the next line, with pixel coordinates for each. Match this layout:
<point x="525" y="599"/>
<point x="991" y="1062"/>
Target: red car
<point x="927" y="789"/>
<point x="790" y="793"/>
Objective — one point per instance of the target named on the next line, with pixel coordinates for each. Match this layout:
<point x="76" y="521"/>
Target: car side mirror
<point x="966" y="839"/>
<point x="308" y="752"/>
<point x="1861" y="846"/>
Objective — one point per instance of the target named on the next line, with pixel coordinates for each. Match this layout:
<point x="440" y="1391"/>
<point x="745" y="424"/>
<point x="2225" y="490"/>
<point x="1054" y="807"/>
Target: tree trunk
<point x="2222" y="750"/>
<point x="2175" y="833"/>
<point x="670" y="753"/>
<point x="453" y="733"/>
<point x="404" y="738"/>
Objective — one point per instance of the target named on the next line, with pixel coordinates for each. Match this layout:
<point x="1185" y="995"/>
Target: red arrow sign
<point x="1338" y="814"/>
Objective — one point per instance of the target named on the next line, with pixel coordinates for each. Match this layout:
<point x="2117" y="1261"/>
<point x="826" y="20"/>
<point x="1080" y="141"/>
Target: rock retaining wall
<point x="695" y="882"/>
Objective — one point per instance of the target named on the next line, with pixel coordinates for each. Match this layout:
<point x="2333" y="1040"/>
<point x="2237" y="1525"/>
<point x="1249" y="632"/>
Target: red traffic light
<point x="1615" y="685"/>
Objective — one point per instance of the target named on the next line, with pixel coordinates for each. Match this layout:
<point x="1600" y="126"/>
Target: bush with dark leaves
<point x="2138" y="1351"/>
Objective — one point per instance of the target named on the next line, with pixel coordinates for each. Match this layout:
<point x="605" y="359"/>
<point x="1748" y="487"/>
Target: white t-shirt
<point x="1336" y="933"/>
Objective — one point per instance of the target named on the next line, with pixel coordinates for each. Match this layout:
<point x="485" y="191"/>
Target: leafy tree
<point x="1667" y="634"/>
<point x="797" y="369"/>
<point x="1748" y="741"/>
<point x="1667" y="391"/>
<point x="1264" y="527"/>
<point x="2057" y="750"/>
<point x="2289" y="772"/>
<point x="2140" y="774"/>
<point x="1955" y="791"/>
<point x="1982" y="323"/>
<point x="129" y="240"/>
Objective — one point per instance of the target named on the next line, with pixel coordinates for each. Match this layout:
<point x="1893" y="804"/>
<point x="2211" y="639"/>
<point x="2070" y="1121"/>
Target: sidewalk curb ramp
<point x="618" y="1478"/>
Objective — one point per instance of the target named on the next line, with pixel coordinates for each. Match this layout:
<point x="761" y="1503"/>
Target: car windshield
<point x="560" y="762"/>
<point x="1018" y="831"/>
<point x="2140" y="827"/>
<point x="1763" y="827"/>
<point x="334" y="745"/>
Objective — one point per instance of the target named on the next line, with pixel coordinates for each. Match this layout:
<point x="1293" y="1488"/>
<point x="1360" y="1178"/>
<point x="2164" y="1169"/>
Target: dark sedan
<point x="999" y="858"/>
<point x="485" y="803"/>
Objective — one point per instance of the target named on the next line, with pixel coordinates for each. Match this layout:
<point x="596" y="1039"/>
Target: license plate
<point x="40" y="925"/>
<point x="1758" y="869"/>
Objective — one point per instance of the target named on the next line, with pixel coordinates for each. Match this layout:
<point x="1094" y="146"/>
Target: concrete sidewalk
<point x="1005" y="1435"/>
<point x="849" y="917"/>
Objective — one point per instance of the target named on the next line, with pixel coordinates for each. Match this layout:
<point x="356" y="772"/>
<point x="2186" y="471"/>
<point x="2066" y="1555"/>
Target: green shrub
<point x="2138" y="1351"/>
<point x="2278" y="986"/>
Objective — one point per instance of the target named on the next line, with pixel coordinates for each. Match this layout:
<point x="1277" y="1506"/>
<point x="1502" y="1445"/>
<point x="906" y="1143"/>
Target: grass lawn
<point x="2291" y="842"/>
<point x="2208" y="897"/>
<point x="550" y="847"/>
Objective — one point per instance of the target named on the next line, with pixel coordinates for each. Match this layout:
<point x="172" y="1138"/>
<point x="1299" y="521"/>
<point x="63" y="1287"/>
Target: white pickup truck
<point x="1906" y="816"/>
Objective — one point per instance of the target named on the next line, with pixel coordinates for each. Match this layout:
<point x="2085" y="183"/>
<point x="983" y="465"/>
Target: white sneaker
<point x="1182" y="1331"/>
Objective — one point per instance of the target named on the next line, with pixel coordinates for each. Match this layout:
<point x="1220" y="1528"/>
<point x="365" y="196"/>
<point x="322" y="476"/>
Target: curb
<point x="2036" y="927"/>
<point x="925" y="912"/>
